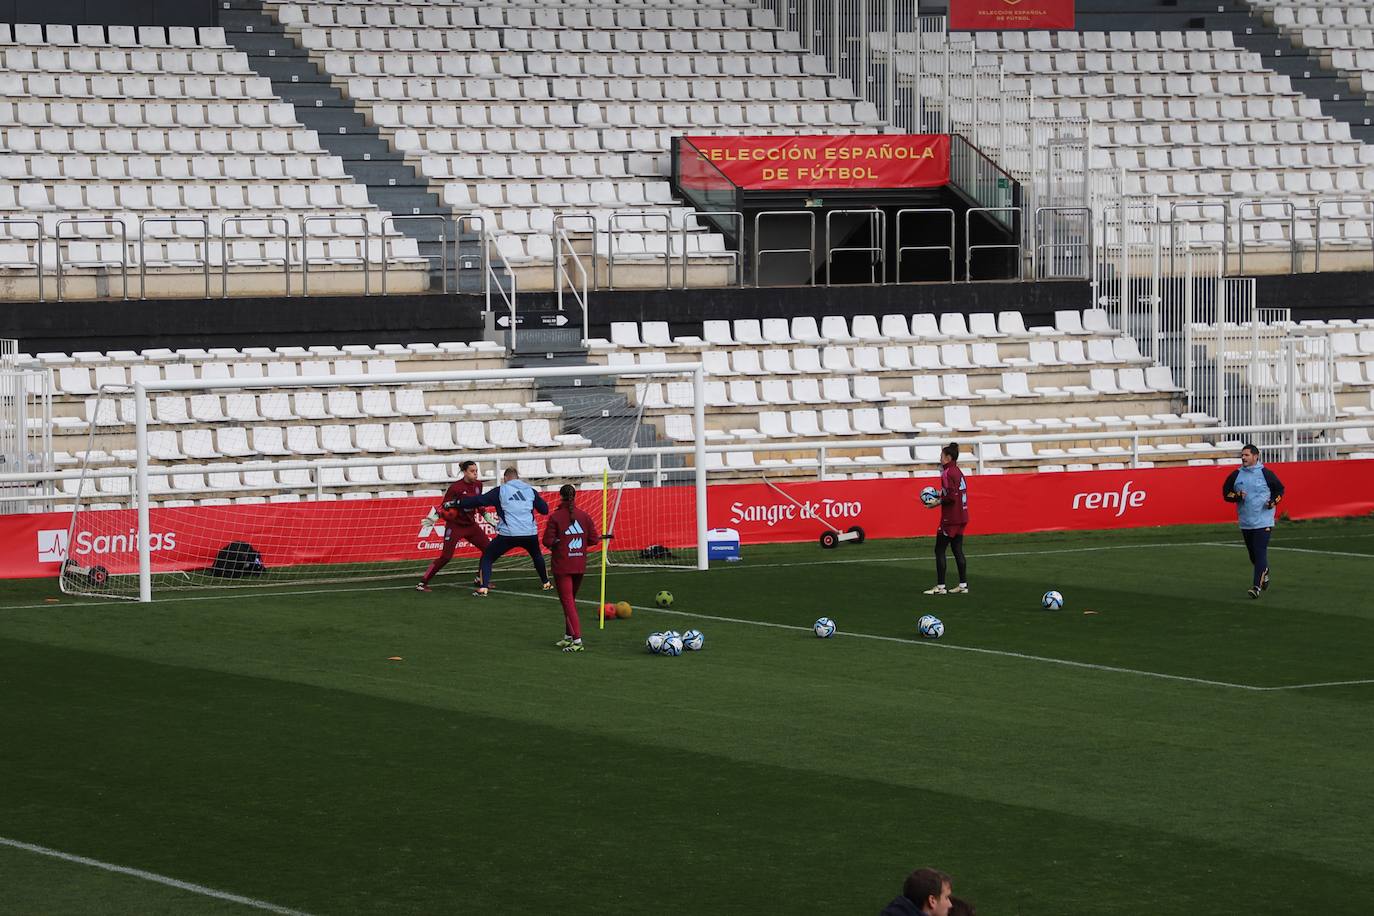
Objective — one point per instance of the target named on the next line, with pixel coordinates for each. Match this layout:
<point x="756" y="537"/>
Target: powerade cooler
<point x="722" y="544"/>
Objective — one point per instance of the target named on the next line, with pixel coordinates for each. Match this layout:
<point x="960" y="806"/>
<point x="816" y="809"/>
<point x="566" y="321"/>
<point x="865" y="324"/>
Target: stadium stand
<point x="517" y="113"/>
<point x="142" y="149"/>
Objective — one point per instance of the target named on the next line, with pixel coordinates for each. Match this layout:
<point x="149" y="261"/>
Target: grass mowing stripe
<point x="151" y="876"/>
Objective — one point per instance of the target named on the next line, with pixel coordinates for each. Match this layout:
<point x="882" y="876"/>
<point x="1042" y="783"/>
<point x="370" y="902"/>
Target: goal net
<point x="271" y="478"/>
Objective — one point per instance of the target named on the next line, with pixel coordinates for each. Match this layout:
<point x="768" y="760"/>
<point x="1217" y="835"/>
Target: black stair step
<point x="288" y="70"/>
<point x="262" y="41"/>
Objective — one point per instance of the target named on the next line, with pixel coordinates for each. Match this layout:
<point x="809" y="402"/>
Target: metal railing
<point x="459" y="222"/>
<point x="1080" y="251"/>
<point x="736" y="257"/>
<point x="1290" y="216"/>
<point x="970" y="248"/>
<point x="1367" y="214"/>
<point x="644" y="217"/>
<point x="172" y="221"/>
<point x="562" y="221"/>
<point x="877" y="250"/>
<point x="336" y="218"/>
<point x="903" y="249"/>
<point x="508" y="297"/>
<point x="562" y="274"/>
<point x="444" y="223"/>
<point x="271" y="221"/>
<point x="809" y="251"/>
<point x="37" y="247"/>
<point x="95" y="221"/>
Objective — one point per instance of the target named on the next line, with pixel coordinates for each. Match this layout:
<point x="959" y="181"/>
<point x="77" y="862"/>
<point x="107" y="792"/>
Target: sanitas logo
<point x="52" y="545"/>
<point x="1125" y="499"/>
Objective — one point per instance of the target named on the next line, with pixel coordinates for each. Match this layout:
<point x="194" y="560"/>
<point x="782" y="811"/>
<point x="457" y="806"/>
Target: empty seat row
<point x="79" y="85"/>
<point x="136" y="115"/>
<point x="625" y="41"/>
<point x="31" y="197"/>
<point x="443" y="16"/>
<point x="127" y="36"/>
<point x="1166" y="40"/>
<point x="78" y="380"/>
<point x="124" y="142"/>
<point x="341" y="440"/>
<point x="86" y="59"/>
<point x="118" y="167"/>
<point x="336" y="252"/>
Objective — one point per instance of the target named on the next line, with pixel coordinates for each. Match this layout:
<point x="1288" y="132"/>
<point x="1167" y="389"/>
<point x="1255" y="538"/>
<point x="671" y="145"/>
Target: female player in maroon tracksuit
<point x="569" y="534"/>
<point x="458" y="523"/>
<point x="953" y="520"/>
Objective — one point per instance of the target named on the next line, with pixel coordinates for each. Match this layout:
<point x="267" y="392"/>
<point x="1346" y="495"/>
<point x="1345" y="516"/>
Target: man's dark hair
<point x="511" y="473"/>
<point x="960" y="907"/>
<point x="952" y="450"/>
<point x="1251" y="447"/>
<point x="924" y="883"/>
<point x="567" y="493"/>
<point x="467" y="464"/>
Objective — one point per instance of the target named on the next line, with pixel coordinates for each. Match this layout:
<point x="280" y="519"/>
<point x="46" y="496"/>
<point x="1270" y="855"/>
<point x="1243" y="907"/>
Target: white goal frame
<point x="142" y="391"/>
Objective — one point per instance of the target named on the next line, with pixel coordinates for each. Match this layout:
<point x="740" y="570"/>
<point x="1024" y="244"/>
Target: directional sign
<point x="504" y="321"/>
<point x="557" y="320"/>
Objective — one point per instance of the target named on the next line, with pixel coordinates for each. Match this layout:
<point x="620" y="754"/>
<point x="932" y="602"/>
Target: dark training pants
<point x="943" y="541"/>
<point x="1257" y="544"/>
<point x="502" y="545"/>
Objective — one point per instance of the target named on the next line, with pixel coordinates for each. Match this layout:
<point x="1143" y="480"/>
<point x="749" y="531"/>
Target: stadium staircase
<point x="391" y="182"/>
<point x="593" y="409"/>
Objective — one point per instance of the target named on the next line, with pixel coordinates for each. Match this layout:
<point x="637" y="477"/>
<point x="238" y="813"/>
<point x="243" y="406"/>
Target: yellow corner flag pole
<point x="605" y="501"/>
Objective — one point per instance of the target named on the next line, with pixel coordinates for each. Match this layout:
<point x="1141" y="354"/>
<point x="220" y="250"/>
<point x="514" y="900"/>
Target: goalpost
<point x="273" y="479"/>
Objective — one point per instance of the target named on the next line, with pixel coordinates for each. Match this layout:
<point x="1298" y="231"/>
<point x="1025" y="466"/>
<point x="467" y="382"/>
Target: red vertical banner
<point x="1010" y="15"/>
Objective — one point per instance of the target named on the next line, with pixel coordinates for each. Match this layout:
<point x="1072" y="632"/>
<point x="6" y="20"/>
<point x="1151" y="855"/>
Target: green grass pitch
<point x="1120" y="761"/>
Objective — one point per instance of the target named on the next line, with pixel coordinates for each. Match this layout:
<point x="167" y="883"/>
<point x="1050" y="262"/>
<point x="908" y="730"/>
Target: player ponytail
<point x="952" y="450"/>
<point x="567" y="493"/>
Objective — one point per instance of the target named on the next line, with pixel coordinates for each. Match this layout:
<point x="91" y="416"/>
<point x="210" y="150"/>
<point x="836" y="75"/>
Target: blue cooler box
<point x="722" y="544"/>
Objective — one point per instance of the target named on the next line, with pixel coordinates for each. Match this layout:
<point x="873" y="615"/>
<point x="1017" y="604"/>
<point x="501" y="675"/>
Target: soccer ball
<point x="693" y="640"/>
<point x="671" y="634"/>
<point x="672" y="644"/>
<point x="608" y="610"/>
<point x="654" y="643"/>
<point x="449" y="515"/>
<point x="623" y="609"/>
<point x="930" y="497"/>
<point x="1052" y="601"/>
<point x="664" y="598"/>
<point x="931" y="627"/>
<point x="824" y="627"/>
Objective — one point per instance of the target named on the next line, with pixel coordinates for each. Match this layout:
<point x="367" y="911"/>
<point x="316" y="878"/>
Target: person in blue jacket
<point x="515" y="503"/>
<point x="1256" y="491"/>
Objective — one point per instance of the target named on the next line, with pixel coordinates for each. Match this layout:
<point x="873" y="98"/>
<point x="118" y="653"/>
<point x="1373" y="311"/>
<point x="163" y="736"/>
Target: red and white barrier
<point x="33" y="546"/>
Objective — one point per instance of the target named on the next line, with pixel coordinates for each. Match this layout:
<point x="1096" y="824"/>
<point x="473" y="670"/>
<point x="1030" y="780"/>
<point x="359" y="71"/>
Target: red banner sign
<point x="824" y="162"/>
<point x="396" y="529"/>
<point x="1010" y="15"/>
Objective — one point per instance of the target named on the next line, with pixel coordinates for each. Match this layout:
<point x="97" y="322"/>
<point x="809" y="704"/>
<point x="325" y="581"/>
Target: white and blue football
<point x="672" y="645"/>
<point x="654" y="643"/>
<point x="824" y="627"/>
<point x="931" y="627"/>
<point x="930" y="497"/>
<point x="1052" y="601"/>
<point x="670" y="634"/>
<point x="693" y="640"/>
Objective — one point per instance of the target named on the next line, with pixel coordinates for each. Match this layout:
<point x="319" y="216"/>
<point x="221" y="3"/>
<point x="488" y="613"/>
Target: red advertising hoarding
<point x="779" y="163"/>
<point x="395" y="529"/>
<point x="1010" y="15"/>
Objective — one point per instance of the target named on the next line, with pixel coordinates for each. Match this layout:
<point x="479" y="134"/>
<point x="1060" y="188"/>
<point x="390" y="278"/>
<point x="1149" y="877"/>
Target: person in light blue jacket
<point x="1256" y="491"/>
<point x="515" y="502"/>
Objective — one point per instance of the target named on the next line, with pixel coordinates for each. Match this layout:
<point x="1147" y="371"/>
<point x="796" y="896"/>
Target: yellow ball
<point x="623" y="609"/>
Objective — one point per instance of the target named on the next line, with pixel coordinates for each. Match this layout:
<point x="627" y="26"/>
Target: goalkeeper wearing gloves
<point x="458" y="523"/>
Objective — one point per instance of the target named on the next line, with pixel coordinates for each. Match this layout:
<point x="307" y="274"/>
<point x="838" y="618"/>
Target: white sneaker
<point x="959" y="589"/>
<point x="937" y="590"/>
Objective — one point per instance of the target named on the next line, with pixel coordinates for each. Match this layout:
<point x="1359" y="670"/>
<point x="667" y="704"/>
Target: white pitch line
<point x="200" y="889"/>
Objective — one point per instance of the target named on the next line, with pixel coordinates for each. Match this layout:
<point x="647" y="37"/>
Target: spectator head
<point x="468" y="470"/>
<point x="1249" y="454"/>
<point x="929" y="890"/>
<point x="567" y="493"/>
<point x="511" y="474"/>
<point x="950" y="453"/>
<point x="961" y="907"/>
